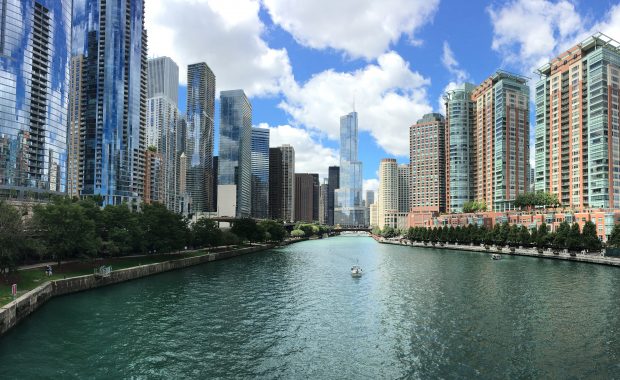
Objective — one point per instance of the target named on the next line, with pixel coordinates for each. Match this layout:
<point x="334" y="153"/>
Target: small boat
<point x="356" y="271"/>
<point x="496" y="256"/>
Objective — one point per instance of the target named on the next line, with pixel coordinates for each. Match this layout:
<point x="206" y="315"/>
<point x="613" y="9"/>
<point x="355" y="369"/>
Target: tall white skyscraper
<point x="349" y="209"/>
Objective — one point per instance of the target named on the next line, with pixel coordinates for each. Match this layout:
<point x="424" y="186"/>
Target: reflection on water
<point x="296" y="312"/>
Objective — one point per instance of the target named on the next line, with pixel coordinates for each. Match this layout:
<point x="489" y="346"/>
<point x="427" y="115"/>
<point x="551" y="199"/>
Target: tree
<point x="121" y="232"/>
<point x="614" y="238"/>
<point x="474" y="206"/>
<point x="164" y="230"/>
<point x="11" y="237"/>
<point x="388" y="232"/>
<point x="298" y="233"/>
<point x="524" y="236"/>
<point x="590" y="240"/>
<point x="65" y="230"/>
<point x="561" y="235"/>
<point x="514" y="235"/>
<point x="247" y="229"/>
<point x="205" y="232"/>
<point x="573" y="241"/>
<point x="275" y="230"/>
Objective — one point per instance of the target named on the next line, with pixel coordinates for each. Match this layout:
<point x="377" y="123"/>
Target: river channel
<point x="296" y="313"/>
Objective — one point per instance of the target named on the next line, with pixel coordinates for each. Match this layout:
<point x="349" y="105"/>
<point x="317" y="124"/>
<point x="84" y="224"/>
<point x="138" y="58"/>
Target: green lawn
<point x="29" y="279"/>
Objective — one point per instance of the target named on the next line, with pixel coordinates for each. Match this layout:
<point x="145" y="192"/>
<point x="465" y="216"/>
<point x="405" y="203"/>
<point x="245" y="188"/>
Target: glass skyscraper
<point x="282" y="183"/>
<point x="35" y="40"/>
<point x="333" y="183"/>
<point x="162" y="128"/>
<point x="459" y="146"/>
<point x="200" y="124"/>
<point x="349" y="210"/>
<point x="260" y="173"/>
<point x="235" y="155"/>
<point x="109" y="40"/>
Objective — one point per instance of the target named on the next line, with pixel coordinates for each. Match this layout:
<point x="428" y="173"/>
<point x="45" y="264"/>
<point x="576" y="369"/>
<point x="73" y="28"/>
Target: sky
<point x="305" y="63"/>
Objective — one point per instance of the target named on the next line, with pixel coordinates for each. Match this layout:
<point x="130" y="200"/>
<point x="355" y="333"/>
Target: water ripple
<point x="295" y="313"/>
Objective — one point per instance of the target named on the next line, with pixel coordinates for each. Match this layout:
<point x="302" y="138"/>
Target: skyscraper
<point x="215" y="169"/>
<point x="404" y="175"/>
<point x="282" y="183"/>
<point x="162" y="128"/>
<point x="578" y="127"/>
<point x="306" y="197"/>
<point x="109" y="41"/>
<point x="501" y="140"/>
<point x="348" y="197"/>
<point x="260" y="173"/>
<point x="153" y="177"/>
<point x="387" y="202"/>
<point x="200" y="124"/>
<point x="323" y="203"/>
<point x="460" y="118"/>
<point x="235" y="154"/>
<point x="333" y="183"/>
<point x="370" y="197"/>
<point x="427" y="164"/>
<point x="35" y="38"/>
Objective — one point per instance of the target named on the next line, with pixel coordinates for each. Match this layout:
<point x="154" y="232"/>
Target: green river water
<point x="296" y="313"/>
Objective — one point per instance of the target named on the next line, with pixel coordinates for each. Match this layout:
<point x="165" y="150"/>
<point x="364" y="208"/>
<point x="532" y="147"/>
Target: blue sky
<point x="304" y="62"/>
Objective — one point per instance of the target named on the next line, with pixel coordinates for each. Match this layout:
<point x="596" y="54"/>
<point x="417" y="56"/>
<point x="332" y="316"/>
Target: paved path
<point x="532" y="252"/>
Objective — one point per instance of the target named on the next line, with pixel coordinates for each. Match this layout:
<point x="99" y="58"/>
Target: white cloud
<point x="452" y="65"/>
<point x="361" y="28"/>
<point x="527" y="33"/>
<point x="310" y="156"/>
<point x="389" y="97"/>
<point x="459" y="76"/>
<point x="611" y="25"/>
<point x="224" y="34"/>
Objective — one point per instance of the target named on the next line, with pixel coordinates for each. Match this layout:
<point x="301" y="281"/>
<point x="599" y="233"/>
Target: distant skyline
<point x="302" y="67"/>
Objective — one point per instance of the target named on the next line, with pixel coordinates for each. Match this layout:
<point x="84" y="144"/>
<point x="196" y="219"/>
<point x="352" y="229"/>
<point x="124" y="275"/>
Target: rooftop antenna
<point x="354" y="94"/>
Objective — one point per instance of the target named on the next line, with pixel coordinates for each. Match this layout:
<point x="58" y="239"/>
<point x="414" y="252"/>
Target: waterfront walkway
<point x="593" y="258"/>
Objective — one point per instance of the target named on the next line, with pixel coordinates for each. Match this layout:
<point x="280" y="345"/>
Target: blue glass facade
<point x="260" y="173"/>
<point x="349" y="210"/>
<point x="235" y="153"/>
<point x="111" y="39"/>
<point x="35" y="40"/>
<point x="460" y="143"/>
<point x="200" y="124"/>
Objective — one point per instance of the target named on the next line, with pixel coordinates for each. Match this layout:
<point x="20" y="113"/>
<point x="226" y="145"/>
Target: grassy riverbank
<point x="29" y="279"/>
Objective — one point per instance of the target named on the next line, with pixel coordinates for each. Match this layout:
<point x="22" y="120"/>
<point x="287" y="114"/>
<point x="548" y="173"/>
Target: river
<point x="296" y="312"/>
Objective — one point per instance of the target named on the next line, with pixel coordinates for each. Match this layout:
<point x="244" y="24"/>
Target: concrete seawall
<point x="14" y="312"/>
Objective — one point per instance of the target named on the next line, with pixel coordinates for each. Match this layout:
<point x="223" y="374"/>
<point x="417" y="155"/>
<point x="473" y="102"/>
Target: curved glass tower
<point x="200" y="122"/>
<point x="35" y="40"/>
<point x="459" y="146"/>
<point x="110" y="41"/>
<point x="349" y="210"/>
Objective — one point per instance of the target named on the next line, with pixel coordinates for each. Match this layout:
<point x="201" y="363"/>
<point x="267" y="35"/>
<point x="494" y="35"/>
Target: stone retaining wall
<point x="12" y="313"/>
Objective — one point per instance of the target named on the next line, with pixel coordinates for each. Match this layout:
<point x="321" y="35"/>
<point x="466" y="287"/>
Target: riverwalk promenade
<point x="593" y="258"/>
